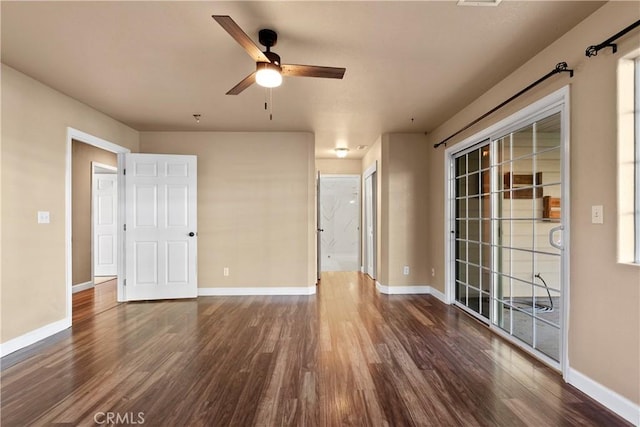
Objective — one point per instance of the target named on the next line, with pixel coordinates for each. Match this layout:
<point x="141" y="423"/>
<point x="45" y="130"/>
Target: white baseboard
<point x="34" y="336"/>
<point x="400" y="290"/>
<point x="609" y="398"/>
<point x="409" y="290"/>
<point x="436" y="293"/>
<point x="82" y="286"/>
<point x="310" y="290"/>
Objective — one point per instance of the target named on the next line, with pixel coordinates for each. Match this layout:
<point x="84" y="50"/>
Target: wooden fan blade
<point x="312" y="71"/>
<point x="241" y="37"/>
<point x="245" y="83"/>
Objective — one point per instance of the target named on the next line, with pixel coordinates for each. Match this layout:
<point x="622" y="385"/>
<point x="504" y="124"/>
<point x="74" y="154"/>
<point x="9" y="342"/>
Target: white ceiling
<point x="152" y="65"/>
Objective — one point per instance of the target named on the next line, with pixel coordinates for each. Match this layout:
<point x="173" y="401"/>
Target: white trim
<point x="607" y="397"/>
<point x="82" y="286"/>
<point x="289" y="290"/>
<point x="565" y="189"/>
<point x="86" y="138"/>
<point x="108" y="168"/>
<point x="436" y="293"/>
<point x="34" y="336"/>
<point x="514" y="121"/>
<point x="373" y="168"/>
<point x="335" y="175"/>
<point x="410" y="290"/>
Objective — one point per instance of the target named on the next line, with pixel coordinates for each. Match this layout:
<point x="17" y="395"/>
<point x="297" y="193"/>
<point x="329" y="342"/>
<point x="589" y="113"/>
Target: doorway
<point x="509" y="226"/>
<point x="339" y="222"/>
<point x="369" y="217"/>
<point x="79" y="263"/>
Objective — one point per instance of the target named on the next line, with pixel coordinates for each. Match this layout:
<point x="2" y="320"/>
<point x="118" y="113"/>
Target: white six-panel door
<point x="105" y="214"/>
<point x="161" y="226"/>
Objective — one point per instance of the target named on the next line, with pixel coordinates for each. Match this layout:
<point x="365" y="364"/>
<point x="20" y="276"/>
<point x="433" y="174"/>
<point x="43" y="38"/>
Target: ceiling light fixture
<point x="341" y="152"/>
<point x="268" y="74"/>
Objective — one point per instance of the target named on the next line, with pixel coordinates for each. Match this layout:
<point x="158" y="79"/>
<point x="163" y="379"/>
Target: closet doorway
<point x="508" y="216"/>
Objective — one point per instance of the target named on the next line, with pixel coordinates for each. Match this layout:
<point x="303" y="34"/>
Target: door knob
<point x="191" y="234"/>
<point x="320" y="229"/>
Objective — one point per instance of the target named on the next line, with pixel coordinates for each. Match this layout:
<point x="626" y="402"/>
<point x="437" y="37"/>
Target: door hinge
<point x="124" y="171"/>
<point x="125" y="227"/>
<point x="125" y="282"/>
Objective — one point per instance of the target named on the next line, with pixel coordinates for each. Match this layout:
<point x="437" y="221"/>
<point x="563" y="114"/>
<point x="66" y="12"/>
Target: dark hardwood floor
<point x="346" y="356"/>
<point x="90" y="302"/>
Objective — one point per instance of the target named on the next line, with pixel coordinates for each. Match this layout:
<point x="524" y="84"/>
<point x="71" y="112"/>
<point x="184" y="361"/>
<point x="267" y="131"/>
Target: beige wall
<point x="339" y="166"/>
<point x="81" y="157"/>
<point x="604" y="318"/>
<point x="407" y="209"/>
<point x="402" y="185"/>
<point x="256" y="205"/>
<point x="34" y="137"/>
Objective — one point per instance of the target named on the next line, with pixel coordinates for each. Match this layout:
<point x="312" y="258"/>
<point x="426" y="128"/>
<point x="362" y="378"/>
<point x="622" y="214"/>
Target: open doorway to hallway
<point x="94" y="182"/>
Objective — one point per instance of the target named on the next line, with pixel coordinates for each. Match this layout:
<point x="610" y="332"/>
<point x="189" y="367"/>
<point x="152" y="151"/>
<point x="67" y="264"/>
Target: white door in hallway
<point x="105" y="214"/>
<point x="161" y="226"/>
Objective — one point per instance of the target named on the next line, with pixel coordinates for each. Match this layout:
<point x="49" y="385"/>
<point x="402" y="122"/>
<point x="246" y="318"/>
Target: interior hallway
<point x="346" y="356"/>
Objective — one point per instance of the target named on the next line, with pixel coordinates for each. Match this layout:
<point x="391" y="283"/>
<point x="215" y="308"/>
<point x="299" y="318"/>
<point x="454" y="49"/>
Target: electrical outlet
<point x="433" y="272"/>
<point x="405" y="270"/>
<point x="225" y="271"/>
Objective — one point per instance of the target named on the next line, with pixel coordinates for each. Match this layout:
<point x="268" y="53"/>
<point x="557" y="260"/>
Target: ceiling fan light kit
<point x="269" y="69"/>
<point x="268" y="74"/>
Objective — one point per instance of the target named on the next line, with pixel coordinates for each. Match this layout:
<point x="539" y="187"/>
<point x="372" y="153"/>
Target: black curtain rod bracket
<point x="594" y="49"/>
<point x="561" y="67"/>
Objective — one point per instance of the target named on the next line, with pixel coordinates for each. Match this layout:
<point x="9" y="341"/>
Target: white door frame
<point x="94" y="167"/>
<point x="86" y="138"/>
<point x="558" y="99"/>
<point x="371" y="170"/>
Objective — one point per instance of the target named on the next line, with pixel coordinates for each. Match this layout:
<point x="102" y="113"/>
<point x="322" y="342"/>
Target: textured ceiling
<point x="152" y="65"/>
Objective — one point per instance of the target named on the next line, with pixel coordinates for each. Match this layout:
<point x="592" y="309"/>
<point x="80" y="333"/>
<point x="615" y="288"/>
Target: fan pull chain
<point x="270" y="104"/>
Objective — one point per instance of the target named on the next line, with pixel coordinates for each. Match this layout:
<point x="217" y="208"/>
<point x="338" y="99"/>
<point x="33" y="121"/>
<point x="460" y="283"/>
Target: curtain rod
<point x="593" y="50"/>
<point x="561" y="67"/>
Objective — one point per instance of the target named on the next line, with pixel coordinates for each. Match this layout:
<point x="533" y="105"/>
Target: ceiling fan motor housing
<point x="268" y="38"/>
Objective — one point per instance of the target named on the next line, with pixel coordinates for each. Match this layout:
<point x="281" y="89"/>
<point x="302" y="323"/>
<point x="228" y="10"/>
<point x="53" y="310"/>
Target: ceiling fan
<point x="269" y="70"/>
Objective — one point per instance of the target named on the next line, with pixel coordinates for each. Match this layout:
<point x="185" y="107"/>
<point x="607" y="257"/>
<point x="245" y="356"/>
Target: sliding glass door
<point x="508" y="210"/>
<point x="473" y="229"/>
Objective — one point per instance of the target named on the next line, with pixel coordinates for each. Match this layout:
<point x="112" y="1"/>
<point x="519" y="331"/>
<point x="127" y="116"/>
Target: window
<point x="637" y="159"/>
<point x="629" y="158"/>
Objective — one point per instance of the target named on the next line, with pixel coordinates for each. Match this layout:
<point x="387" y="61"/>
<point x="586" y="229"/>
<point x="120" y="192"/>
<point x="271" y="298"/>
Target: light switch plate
<point x="597" y="214"/>
<point x="43" y="217"/>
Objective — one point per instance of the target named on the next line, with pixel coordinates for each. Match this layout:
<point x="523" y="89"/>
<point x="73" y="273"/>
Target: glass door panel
<point x="473" y="230"/>
<point x="527" y="261"/>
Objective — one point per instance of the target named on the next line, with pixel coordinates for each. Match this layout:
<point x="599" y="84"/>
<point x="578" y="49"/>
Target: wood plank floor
<point x="90" y="302"/>
<point x="346" y="356"/>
